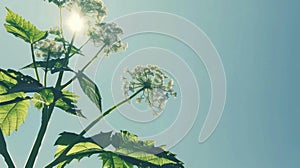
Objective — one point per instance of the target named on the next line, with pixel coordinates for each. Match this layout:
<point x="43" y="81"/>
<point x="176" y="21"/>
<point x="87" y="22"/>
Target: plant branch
<point x="91" y="61"/>
<point x="84" y="44"/>
<point x="46" y="114"/>
<point x="63" y="156"/>
<point x="4" y="152"/>
<point x="60" y="21"/>
<point x="34" y="63"/>
<point x="67" y="56"/>
<point x="46" y="70"/>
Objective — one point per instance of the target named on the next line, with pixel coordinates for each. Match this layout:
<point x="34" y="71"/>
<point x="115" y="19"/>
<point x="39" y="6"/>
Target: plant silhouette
<point x="51" y="53"/>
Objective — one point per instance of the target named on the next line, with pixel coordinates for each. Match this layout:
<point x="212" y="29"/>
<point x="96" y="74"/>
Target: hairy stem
<point x="4" y="152"/>
<point x="63" y="156"/>
<point x="86" y="66"/>
<point x="34" y="63"/>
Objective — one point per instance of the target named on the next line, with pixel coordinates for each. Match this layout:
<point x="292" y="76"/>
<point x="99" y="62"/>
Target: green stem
<point x="63" y="156"/>
<point x="81" y="46"/>
<point x="66" y="61"/>
<point x="34" y="63"/>
<point x="84" y="44"/>
<point x="46" y="70"/>
<point x="60" y="21"/>
<point x="46" y="114"/>
<point x="86" y="66"/>
<point x="4" y="152"/>
<point x="47" y="110"/>
<point x="92" y="60"/>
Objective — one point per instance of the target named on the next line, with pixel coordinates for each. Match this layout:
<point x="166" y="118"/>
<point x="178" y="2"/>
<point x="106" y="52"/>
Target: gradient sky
<point x="258" y="42"/>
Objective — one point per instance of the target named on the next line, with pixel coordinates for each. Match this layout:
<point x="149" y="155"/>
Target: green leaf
<point x="67" y="138"/>
<point x="90" y="89"/>
<point x="13" y="111"/>
<point x="54" y="65"/>
<point x="14" y="82"/>
<point x="111" y="160"/>
<point x="38" y="101"/>
<point x="67" y="102"/>
<point x="142" y="152"/>
<point x="22" y="28"/>
<point x="13" y="102"/>
<point x="46" y="97"/>
<point x="103" y="139"/>
<point x="84" y="147"/>
<point x="129" y="150"/>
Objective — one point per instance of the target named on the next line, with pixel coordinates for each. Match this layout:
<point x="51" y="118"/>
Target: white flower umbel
<point x="107" y="34"/>
<point x="48" y="47"/>
<point x="157" y="87"/>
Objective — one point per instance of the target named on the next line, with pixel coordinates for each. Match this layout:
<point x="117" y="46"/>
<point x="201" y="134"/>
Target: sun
<point x="75" y="21"/>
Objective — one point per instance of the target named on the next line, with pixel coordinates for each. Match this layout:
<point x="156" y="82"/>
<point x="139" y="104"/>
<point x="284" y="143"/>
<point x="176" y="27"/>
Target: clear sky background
<point x="258" y="42"/>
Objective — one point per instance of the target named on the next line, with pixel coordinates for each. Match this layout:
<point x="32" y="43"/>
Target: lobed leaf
<point x="84" y="147"/>
<point x="129" y="150"/>
<point x="64" y="100"/>
<point x="68" y="103"/>
<point x="142" y="152"/>
<point x="111" y="160"/>
<point x="22" y="28"/>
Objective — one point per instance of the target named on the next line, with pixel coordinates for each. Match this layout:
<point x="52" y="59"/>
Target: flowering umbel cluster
<point x="107" y="35"/>
<point x="49" y="48"/>
<point x="92" y="8"/>
<point x="157" y="88"/>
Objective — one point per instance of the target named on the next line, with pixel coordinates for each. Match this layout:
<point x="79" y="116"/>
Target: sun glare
<point x="75" y="22"/>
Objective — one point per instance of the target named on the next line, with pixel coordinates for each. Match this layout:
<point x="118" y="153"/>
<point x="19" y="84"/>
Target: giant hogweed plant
<point x="51" y="53"/>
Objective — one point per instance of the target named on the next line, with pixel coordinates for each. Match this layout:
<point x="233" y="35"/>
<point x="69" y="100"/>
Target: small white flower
<point x="157" y="87"/>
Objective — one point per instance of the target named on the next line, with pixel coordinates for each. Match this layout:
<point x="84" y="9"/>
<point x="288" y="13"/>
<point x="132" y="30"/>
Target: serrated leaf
<point x="142" y="152"/>
<point x="13" y="111"/>
<point x="15" y="81"/>
<point x="84" y="147"/>
<point x="13" y="102"/>
<point x="90" y="89"/>
<point x="129" y="150"/>
<point x="67" y="102"/>
<point x="22" y="28"/>
<point x="111" y="160"/>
